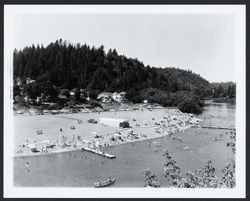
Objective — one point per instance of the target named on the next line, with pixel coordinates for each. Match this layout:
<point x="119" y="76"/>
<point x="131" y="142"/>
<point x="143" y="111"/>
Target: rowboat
<point x="104" y="183"/>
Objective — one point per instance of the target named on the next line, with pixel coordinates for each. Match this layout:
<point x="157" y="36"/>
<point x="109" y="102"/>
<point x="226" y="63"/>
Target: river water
<point x="82" y="169"/>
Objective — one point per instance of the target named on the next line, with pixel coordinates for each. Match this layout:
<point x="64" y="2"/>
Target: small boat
<point x="35" y="150"/>
<point x="93" y="121"/>
<point x="104" y="183"/>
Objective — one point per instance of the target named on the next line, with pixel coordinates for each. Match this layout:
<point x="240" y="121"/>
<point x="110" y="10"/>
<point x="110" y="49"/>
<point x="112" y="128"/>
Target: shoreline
<point x="75" y="168"/>
<point x="111" y="145"/>
<point x="34" y="111"/>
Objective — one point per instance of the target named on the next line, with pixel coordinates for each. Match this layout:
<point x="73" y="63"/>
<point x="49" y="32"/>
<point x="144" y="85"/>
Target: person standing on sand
<point x="105" y="146"/>
<point x="27" y="142"/>
<point x="73" y="138"/>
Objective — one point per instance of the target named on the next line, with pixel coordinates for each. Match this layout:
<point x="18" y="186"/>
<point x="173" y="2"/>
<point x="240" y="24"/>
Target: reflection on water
<point x="219" y="115"/>
<point x="82" y="169"/>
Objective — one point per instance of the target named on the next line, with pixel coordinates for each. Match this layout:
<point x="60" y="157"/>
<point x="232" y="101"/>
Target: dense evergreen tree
<point x="224" y="89"/>
<point x="61" y="65"/>
<point x="76" y="66"/>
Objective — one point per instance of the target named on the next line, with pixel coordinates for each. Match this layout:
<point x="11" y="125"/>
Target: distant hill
<point x="71" y="66"/>
<point x="224" y="85"/>
<point x="65" y="66"/>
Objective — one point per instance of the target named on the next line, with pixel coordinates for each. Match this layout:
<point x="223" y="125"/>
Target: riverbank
<point x="190" y="149"/>
<point x="145" y="124"/>
<point x="82" y="169"/>
<point x="89" y="144"/>
<point x="231" y="101"/>
<point x="52" y="108"/>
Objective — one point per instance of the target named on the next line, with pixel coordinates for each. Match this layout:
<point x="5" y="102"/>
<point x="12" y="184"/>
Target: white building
<point x="116" y="97"/>
<point x="123" y="94"/>
<point x="108" y="97"/>
<point x="105" y="97"/>
<point x="114" y="122"/>
<point x="119" y="97"/>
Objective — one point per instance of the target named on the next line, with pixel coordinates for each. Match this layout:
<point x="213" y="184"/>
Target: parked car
<point x="92" y="121"/>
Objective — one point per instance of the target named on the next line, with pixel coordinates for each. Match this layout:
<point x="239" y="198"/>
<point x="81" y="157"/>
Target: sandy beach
<point x="144" y="126"/>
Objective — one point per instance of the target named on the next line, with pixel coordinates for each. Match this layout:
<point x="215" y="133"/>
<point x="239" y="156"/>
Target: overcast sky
<point x="203" y="43"/>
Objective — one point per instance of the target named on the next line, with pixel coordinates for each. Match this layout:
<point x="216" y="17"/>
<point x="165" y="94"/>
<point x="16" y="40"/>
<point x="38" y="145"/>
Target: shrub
<point x="150" y="179"/>
<point x="189" y="105"/>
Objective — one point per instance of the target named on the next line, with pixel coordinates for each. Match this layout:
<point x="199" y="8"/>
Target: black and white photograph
<point x="124" y="101"/>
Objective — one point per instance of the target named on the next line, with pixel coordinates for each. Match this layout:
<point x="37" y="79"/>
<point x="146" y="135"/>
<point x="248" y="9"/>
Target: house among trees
<point x="28" y="99"/>
<point x="116" y="97"/>
<point x="123" y="96"/>
<point x="105" y="97"/>
<point x="29" y="81"/>
<point x="72" y="92"/>
<point x="39" y="99"/>
<point x="119" y="97"/>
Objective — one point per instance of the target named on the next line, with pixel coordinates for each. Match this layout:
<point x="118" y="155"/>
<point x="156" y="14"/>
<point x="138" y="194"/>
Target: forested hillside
<point x="65" y="66"/>
<point x="224" y="92"/>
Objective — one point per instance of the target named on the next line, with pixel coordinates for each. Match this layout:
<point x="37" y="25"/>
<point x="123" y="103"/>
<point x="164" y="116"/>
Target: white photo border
<point x="12" y="11"/>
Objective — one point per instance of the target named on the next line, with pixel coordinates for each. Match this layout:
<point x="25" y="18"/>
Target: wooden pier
<point x="98" y="152"/>
<point x="211" y="127"/>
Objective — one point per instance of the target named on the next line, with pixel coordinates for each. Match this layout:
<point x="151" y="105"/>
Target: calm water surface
<point x="82" y="169"/>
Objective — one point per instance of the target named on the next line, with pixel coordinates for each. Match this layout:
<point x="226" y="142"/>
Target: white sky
<point x="203" y="43"/>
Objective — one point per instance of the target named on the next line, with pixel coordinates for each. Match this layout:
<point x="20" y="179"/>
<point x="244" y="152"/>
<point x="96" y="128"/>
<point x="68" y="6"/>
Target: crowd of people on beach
<point x="169" y="124"/>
